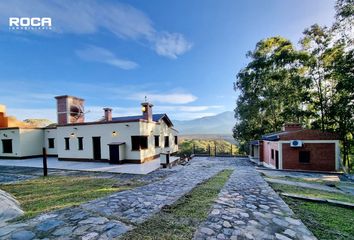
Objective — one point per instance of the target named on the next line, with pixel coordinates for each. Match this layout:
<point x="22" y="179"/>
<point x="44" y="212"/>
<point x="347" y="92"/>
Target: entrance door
<point x="276" y="159"/>
<point x="114" y="154"/>
<point x="96" y="148"/>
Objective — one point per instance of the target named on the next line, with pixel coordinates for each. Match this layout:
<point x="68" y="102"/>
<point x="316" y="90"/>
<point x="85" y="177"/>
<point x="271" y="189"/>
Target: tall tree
<point x="272" y="89"/>
<point x="316" y="41"/>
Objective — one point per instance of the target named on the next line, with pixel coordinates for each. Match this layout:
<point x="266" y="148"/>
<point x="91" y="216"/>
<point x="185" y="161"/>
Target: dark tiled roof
<point x="155" y="117"/>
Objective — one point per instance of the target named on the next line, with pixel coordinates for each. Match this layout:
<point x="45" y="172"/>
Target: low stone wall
<point x="9" y="208"/>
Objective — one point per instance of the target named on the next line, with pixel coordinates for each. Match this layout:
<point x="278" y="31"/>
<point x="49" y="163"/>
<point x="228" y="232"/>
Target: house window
<point x="272" y="153"/>
<point x="176" y="140"/>
<point x="50" y="142"/>
<point x="80" y="143"/>
<point x="167" y="142"/>
<point x="304" y="156"/>
<point x="7" y="145"/>
<point x="67" y="144"/>
<point x="139" y="142"/>
<point x="157" y="141"/>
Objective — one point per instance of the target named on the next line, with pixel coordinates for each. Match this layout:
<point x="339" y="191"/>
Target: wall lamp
<point x="72" y="135"/>
<point x="114" y="133"/>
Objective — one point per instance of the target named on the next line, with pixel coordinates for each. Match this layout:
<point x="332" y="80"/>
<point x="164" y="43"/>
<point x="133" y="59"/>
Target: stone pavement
<point x="110" y="217"/>
<point x="248" y="208"/>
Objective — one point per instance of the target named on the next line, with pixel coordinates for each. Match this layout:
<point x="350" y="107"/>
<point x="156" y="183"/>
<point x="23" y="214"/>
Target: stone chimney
<point x="289" y="127"/>
<point x="107" y="114"/>
<point x="147" y="111"/>
<point x="70" y="109"/>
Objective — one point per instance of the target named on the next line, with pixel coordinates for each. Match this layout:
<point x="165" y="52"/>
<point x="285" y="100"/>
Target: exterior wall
<point x="31" y="142"/>
<point x="25" y="142"/>
<point x="124" y="133"/>
<point x="323" y="156"/>
<point x="157" y="129"/>
<point x="255" y="150"/>
<point x="50" y="133"/>
<point x="13" y="134"/>
<point x="267" y="150"/>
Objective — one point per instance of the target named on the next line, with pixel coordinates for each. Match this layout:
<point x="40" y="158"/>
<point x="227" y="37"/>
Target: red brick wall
<point x="267" y="149"/>
<point x="322" y="157"/>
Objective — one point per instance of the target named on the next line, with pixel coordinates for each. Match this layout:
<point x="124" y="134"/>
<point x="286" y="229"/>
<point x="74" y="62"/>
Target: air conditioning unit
<point x="295" y="143"/>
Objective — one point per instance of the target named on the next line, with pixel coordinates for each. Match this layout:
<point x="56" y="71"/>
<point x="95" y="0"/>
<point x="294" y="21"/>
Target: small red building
<point x="298" y="149"/>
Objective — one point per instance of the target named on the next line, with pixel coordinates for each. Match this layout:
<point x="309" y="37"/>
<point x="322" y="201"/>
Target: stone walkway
<point x="112" y="216"/>
<point x="248" y="208"/>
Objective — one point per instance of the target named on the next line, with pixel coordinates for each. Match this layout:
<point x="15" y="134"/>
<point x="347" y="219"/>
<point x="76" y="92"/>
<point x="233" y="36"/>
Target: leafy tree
<point x="272" y="89"/>
<point x="313" y="86"/>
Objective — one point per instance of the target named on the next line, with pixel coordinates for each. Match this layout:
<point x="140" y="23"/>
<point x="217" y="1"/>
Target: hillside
<point x="220" y="124"/>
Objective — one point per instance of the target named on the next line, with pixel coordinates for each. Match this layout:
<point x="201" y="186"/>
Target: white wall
<point x="158" y="129"/>
<point x="25" y="142"/>
<point x="124" y="130"/>
<point x="31" y="142"/>
<point x="124" y="133"/>
<point x="13" y="134"/>
<point x="50" y="133"/>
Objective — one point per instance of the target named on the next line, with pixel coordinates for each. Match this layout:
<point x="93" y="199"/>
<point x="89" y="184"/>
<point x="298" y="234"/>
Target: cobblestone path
<point x="110" y="217"/>
<point x="248" y="208"/>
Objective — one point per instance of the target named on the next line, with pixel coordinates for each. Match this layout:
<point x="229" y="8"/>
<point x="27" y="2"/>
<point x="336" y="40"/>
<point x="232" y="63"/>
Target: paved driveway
<point x="54" y="163"/>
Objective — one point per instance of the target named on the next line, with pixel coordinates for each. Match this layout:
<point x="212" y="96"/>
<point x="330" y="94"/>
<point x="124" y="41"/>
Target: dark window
<point x="157" y="141"/>
<point x="167" y="141"/>
<point x="50" y="142"/>
<point x="304" y="156"/>
<point x="80" y="143"/>
<point x="176" y="140"/>
<point x="7" y="145"/>
<point x="139" y="142"/>
<point x="67" y="144"/>
<point x="272" y="153"/>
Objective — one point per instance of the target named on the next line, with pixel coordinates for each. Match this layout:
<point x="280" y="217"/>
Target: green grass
<point x="326" y="221"/>
<point x="312" y="192"/>
<point x="50" y="193"/>
<point x="181" y="220"/>
<point x="304" y="180"/>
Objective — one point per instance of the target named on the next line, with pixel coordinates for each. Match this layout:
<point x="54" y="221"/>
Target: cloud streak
<point x="172" y="98"/>
<point x="90" y="16"/>
<point x="97" y="54"/>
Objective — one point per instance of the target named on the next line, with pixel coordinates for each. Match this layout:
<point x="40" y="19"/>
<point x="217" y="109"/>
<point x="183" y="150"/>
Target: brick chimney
<point x="70" y="109"/>
<point x="147" y="111"/>
<point x="289" y="127"/>
<point x="107" y="114"/>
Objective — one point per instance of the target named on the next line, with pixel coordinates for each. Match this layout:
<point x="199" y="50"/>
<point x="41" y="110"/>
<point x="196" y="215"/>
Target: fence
<point x="212" y="150"/>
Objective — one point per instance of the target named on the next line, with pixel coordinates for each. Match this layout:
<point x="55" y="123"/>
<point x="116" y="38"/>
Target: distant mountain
<point x="218" y="124"/>
<point x="37" y="122"/>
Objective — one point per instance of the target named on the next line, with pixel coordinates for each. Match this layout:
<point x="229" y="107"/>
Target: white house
<point x="131" y="139"/>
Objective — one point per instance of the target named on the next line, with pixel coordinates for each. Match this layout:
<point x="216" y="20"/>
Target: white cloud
<point x="172" y="98"/>
<point x="90" y="16"/>
<point x="171" y="45"/>
<point x="186" y="109"/>
<point x="97" y="54"/>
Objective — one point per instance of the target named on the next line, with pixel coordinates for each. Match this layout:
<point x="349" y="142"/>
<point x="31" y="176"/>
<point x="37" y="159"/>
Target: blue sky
<point x="183" y="55"/>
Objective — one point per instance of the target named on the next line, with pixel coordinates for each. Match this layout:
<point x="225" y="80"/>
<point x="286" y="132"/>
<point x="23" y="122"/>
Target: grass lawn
<point x="312" y="192"/>
<point x="181" y="220"/>
<point x="305" y="180"/>
<point x="54" y="192"/>
<point x="326" y="221"/>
